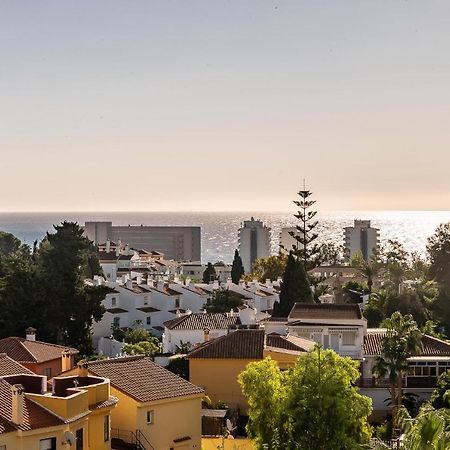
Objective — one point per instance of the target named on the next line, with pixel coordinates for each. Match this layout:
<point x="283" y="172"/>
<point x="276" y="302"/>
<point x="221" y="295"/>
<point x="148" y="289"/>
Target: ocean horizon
<point x="220" y="228"/>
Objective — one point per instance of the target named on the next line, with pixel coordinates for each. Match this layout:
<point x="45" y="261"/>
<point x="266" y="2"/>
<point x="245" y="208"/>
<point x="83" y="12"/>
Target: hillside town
<point x="106" y="345"/>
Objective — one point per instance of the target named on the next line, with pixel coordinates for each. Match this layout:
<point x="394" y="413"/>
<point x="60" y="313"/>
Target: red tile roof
<point x="142" y="379"/>
<point x="248" y="344"/>
<point x="10" y="367"/>
<point x="431" y="346"/>
<point x="25" y="351"/>
<point x="324" y="311"/>
<point x="200" y="321"/>
<point x="34" y="416"/>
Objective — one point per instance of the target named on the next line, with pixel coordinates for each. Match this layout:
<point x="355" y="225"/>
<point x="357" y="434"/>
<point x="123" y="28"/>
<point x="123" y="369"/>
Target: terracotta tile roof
<point x="200" y="321"/>
<point x="10" y="367"/>
<point x="324" y="311"/>
<point x="25" y="351"/>
<point x="142" y="379"/>
<point x="240" y="344"/>
<point x="293" y="343"/>
<point x="34" y="415"/>
<point x="431" y="346"/>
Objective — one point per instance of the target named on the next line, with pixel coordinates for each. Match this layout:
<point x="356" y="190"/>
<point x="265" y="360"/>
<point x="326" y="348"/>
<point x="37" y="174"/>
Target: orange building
<point x="41" y="358"/>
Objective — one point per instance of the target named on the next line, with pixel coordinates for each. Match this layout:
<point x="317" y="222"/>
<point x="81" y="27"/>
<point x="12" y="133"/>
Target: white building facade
<point x="254" y="242"/>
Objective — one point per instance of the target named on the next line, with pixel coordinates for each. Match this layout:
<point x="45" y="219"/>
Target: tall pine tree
<point x="237" y="269"/>
<point x="305" y="247"/>
<point x="294" y="287"/>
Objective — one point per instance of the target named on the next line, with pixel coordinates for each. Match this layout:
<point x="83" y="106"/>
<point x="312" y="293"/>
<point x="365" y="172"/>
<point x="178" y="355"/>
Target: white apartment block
<point x="254" y="242"/>
<point x="361" y="238"/>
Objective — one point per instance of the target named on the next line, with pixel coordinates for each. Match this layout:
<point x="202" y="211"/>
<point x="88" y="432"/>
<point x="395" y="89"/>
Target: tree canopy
<point x="237" y="269"/>
<point x="46" y="289"/>
<point x="315" y="405"/>
<point x="294" y="287"/>
<point x="224" y="300"/>
<point x="269" y="268"/>
<point x="209" y="273"/>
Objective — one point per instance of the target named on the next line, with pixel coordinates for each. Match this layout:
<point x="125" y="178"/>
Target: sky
<point x="224" y="105"/>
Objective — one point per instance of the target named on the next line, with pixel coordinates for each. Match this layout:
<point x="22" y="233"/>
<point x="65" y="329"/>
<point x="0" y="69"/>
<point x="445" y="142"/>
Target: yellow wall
<point x="219" y="379"/>
<point x="124" y="416"/>
<point x="65" y="407"/>
<point x="229" y="444"/>
<point x="173" y="419"/>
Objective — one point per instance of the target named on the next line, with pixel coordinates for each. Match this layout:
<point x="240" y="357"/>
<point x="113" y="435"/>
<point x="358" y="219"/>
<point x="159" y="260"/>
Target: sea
<point x="219" y="230"/>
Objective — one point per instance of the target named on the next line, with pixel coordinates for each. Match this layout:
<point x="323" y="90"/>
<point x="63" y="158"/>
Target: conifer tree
<point x="294" y="287"/>
<point x="237" y="269"/>
<point x="209" y="274"/>
<point x="305" y="247"/>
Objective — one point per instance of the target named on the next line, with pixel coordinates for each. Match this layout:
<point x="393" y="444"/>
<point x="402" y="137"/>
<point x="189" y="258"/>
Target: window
<point x="145" y="299"/>
<point x="348" y="338"/>
<point x="113" y="301"/>
<point x="79" y="435"/>
<point x="149" y="320"/>
<point x="2" y="447"/>
<point x="116" y="321"/>
<point x="150" y="415"/>
<point x="106" y="428"/>
<point x="48" y="372"/>
<point x="47" y="444"/>
<point x="177" y="302"/>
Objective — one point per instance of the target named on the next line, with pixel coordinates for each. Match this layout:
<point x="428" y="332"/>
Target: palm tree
<point x="429" y="431"/>
<point x="369" y="270"/>
<point x="402" y="340"/>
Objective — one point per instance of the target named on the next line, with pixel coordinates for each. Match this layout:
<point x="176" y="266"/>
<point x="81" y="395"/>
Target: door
<point x="334" y="342"/>
<point x="79" y="436"/>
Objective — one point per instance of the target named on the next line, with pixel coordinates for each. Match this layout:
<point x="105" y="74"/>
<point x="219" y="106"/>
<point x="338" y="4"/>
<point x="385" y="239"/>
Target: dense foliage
<point x="314" y="405"/>
<point x="224" y="300"/>
<point x="45" y="288"/>
<point x="237" y="268"/>
<point x="294" y="287"/>
<point x="209" y="274"/>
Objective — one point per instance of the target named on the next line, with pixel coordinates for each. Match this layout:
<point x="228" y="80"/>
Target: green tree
<point x="224" y="300"/>
<point x="8" y="244"/>
<point x="402" y="340"/>
<point x="237" y="269"/>
<point x="294" y="287"/>
<point x="440" y="398"/>
<point x="370" y="271"/>
<point x="305" y="247"/>
<point x="209" y="274"/>
<point x="146" y="348"/>
<point x="138" y="334"/>
<point x="269" y="268"/>
<point x="71" y="305"/>
<point x="429" y="431"/>
<point x="313" y="406"/>
<point x="180" y="367"/>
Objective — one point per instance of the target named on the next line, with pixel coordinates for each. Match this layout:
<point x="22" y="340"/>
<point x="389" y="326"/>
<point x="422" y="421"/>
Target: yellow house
<point x="74" y="415"/>
<point x="156" y="408"/>
<point x="215" y="365"/>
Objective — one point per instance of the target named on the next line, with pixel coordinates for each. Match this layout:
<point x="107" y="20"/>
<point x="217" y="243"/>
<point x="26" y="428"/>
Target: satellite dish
<point x="70" y="438"/>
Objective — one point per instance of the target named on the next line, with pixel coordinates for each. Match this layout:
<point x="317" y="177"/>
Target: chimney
<point x="139" y="278"/>
<point x="206" y="335"/>
<point x="108" y="245"/>
<point x="17" y="403"/>
<point x="30" y="334"/>
<point x="66" y="360"/>
<point x="129" y="284"/>
<point x="83" y="369"/>
<point x="160" y="285"/>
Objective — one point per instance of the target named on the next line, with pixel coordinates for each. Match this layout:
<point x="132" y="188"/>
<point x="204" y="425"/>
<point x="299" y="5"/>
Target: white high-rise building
<point x="254" y="242"/>
<point x="361" y="238"/>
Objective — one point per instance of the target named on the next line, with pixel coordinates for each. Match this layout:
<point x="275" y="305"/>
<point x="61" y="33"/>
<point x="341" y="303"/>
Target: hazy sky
<point x="224" y="105"/>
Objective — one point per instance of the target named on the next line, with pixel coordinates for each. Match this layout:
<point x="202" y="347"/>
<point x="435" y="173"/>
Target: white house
<point x="339" y="327"/>
<point x="196" y="328"/>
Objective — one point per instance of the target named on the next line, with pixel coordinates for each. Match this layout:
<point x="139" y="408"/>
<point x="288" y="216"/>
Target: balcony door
<point x="334" y="342"/>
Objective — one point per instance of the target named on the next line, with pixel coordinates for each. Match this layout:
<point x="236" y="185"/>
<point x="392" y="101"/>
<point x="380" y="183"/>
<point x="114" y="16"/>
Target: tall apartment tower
<point x="361" y="237"/>
<point x="254" y="242"/>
